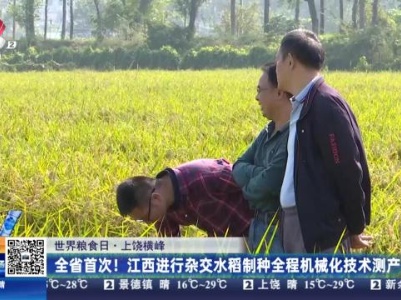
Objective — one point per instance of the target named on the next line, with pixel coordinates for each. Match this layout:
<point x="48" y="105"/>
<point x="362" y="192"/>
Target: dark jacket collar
<point x="310" y="96"/>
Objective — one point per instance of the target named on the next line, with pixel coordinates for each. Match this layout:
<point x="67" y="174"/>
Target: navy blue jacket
<point x="331" y="176"/>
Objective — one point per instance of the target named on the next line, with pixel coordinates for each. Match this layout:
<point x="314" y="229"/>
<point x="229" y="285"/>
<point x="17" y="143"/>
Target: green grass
<point x="67" y="139"/>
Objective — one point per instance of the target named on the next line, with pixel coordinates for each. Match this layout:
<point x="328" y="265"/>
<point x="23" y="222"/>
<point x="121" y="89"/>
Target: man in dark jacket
<point x="326" y="190"/>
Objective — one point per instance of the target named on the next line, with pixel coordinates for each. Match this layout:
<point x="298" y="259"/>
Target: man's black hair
<point x="305" y="46"/>
<point x="270" y="70"/>
<point x="133" y="192"/>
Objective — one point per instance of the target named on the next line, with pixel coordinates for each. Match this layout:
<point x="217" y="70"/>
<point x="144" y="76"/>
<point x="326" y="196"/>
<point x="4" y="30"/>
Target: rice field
<point x="68" y="138"/>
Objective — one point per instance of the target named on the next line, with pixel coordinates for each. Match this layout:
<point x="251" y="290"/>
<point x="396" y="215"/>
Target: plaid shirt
<point x="206" y="195"/>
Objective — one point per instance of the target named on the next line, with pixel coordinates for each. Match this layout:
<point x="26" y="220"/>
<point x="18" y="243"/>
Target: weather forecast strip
<point x="145" y="245"/>
<point x="150" y="288"/>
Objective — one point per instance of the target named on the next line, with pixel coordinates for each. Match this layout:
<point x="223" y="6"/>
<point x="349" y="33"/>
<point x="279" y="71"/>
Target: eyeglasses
<point x="150" y="204"/>
<point x="259" y="89"/>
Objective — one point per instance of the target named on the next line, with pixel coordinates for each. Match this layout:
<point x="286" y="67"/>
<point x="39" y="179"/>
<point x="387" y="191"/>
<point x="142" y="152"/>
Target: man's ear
<point x="281" y="94"/>
<point x="156" y="198"/>
<point x="291" y="60"/>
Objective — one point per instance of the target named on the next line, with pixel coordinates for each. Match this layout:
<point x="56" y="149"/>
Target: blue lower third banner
<point x="23" y="288"/>
<point x="95" y="288"/>
<point x="214" y="265"/>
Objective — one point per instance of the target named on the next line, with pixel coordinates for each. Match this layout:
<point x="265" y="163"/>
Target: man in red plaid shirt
<point x="201" y="193"/>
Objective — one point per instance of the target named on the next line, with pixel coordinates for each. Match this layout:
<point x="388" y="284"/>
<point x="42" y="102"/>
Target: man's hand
<point x="361" y="241"/>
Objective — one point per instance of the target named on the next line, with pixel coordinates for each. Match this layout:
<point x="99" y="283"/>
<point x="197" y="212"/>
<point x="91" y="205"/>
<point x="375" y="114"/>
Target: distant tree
<point x="266" y="15"/>
<point x="297" y="9"/>
<point x="375" y="12"/>
<point x="98" y="21"/>
<point x="145" y="7"/>
<point x="354" y="14"/>
<point x="143" y="11"/>
<point x="233" y="17"/>
<point x="193" y="14"/>
<point x="71" y="19"/>
<point x="130" y="19"/>
<point x="182" y="7"/>
<point x="64" y="20"/>
<point x="25" y="13"/>
<point x="30" y="20"/>
<point x="118" y="16"/>
<point x="321" y="17"/>
<point x="341" y="6"/>
<point x="189" y="9"/>
<point x="159" y="12"/>
<point x="14" y="22"/>
<point x="313" y="15"/>
<point x="45" y="29"/>
<point x="362" y="14"/>
<point x="84" y="18"/>
<point x="247" y="20"/>
<point x="295" y="4"/>
<point x="279" y="25"/>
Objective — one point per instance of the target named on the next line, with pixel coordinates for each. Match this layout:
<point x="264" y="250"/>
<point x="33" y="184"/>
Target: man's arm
<point x="266" y="181"/>
<point x="335" y="137"/>
<point x="167" y="228"/>
<point x="244" y="168"/>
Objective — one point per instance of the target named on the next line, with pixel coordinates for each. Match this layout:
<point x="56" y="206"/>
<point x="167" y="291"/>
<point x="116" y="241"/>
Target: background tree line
<point x="361" y="34"/>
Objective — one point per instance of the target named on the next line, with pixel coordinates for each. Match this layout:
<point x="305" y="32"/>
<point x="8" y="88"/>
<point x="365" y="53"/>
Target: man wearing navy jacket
<point x="325" y="196"/>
